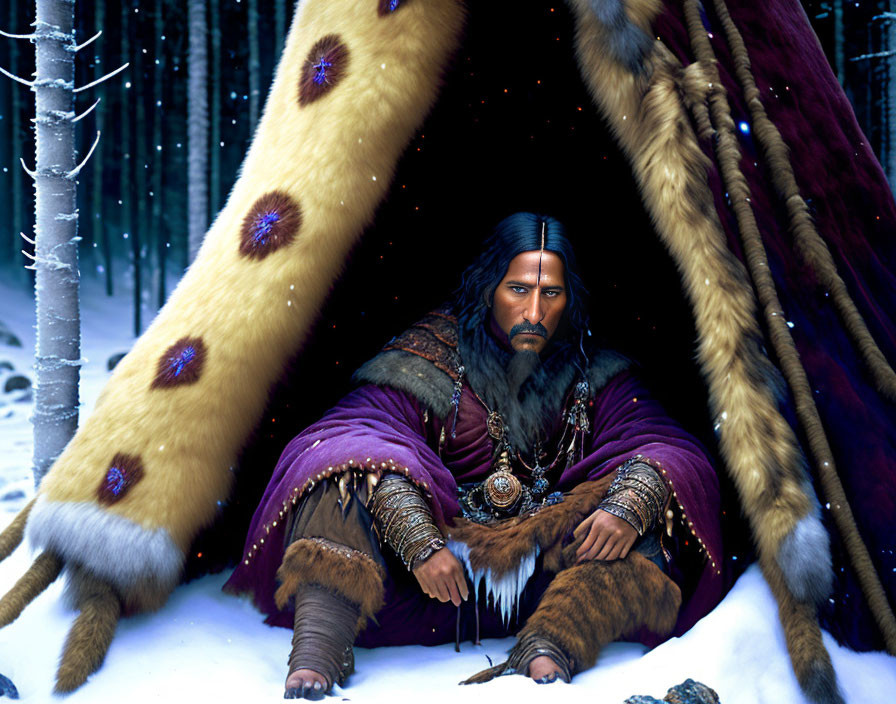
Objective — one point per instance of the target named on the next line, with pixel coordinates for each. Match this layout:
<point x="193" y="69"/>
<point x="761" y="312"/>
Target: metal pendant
<point x="502" y="490"/>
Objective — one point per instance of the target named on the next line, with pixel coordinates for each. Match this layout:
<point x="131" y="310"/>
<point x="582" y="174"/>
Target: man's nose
<point x="534" y="312"/>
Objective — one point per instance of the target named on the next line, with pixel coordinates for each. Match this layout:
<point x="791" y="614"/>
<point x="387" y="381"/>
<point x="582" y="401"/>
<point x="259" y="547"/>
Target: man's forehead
<point x="527" y="266"/>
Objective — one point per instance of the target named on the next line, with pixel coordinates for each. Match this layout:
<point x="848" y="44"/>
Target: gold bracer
<point x="404" y="521"/>
<point x="637" y="495"/>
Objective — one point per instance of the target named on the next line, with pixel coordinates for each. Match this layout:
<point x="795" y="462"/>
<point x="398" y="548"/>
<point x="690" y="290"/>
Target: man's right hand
<point x="441" y="577"/>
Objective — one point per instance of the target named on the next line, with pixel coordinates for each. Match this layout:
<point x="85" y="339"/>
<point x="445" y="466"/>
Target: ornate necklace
<point x="502" y="494"/>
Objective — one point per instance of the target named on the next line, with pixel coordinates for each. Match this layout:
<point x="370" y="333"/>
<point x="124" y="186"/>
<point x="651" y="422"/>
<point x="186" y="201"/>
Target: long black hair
<point x="515" y="234"/>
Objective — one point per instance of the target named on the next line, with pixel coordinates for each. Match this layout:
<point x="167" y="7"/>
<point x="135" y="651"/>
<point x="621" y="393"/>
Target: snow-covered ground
<point x="205" y="645"/>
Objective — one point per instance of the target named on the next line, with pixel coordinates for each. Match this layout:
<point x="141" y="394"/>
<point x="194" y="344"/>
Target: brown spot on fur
<point x="272" y="223"/>
<point x="346" y="572"/>
<point x="323" y="69"/>
<point x="123" y="473"/>
<point x="181" y="364"/>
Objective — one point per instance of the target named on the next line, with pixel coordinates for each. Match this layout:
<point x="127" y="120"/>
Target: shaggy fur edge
<point x="502" y="547"/>
<point x="594" y="603"/>
<point x="433" y="388"/>
<point x="142" y="564"/>
<point x="412" y="374"/>
<point x="341" y="570"/>
<point x="648" y="116"/>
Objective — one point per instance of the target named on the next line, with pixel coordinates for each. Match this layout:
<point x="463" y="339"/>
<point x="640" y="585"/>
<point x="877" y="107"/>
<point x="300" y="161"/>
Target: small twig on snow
<point x="30" y="84"/>
<point x="16" y="36"/>
<point x="89" y="41"/>
<point x="87" y="111"/>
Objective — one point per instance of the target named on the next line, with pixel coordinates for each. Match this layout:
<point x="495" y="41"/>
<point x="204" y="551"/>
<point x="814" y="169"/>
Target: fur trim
<point x="811" y="661"/>
<point x="801" y="559"/>
<point x="594" y="603"/>
<point x="499" y="548"/>
<point x="42" y="573"/>
<point x="11" y="538"/>
<point x="604" y="365"/>
<point x="335" y="158"/>
<point x="648" y="116"/>
<point x="423" y="362"/>
<point x="142" y="564"/>
<point x="628" y="44"/>
<point x="349" y="573"/>
<point x="413" y="375"/>
<point x="92" y="633"/>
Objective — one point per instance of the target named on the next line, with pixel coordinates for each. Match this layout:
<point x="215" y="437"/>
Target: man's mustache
<point x="537" y="329"/>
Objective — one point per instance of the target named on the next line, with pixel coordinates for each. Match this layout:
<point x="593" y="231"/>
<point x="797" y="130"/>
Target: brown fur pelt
<point x="92" y="633"/>
<point x="594" y="603"/>
<point x="501" y="547"/>
<point x="349" y="573"/>
<point x="40" y="575"/>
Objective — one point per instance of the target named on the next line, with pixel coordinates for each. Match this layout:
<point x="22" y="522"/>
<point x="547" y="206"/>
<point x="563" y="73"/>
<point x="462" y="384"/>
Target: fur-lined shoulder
<point x="424" y="362"/>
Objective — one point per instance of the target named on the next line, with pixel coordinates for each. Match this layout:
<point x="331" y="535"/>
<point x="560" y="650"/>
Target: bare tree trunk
<point x="215" y="170"/>
<point x="254" y="67"/>
<point x="141" y="235"/>
<point x="98" y="214"/>
<point x="127" y="161"/>
<point x="161" y="232"/>
<point x="197" y="127"/>
<point x="839" y="60"/>
<point x="15" y="111"/>
<point x="57" y="363"/>
<point x="891" y="96"/>
<point x="279" y="23"/>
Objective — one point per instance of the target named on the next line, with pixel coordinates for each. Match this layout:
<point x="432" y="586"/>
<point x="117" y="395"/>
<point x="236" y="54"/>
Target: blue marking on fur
<point x="115" y="480"/>
<point x="321" y="67"/>
<point x="393" y="5"/>
<point x="262" y="228"/>
<point x="179" y="363"/>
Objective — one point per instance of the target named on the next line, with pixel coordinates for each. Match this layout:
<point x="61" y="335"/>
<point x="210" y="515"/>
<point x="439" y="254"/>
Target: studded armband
<point x="404" y="521"/>
<point x="637" y="495"/>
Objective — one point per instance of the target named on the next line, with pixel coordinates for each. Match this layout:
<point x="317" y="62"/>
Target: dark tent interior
<point x="514" y="129"/>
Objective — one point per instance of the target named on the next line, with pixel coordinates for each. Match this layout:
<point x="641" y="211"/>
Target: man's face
<point x="530" y="300"/>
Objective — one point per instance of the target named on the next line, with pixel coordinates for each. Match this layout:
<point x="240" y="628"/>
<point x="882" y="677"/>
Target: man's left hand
<point x="607" y="537"/>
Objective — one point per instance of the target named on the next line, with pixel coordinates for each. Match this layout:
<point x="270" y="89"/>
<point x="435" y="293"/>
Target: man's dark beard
<point x="526" y="389"/>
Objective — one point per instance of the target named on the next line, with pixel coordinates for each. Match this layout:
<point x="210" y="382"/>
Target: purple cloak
<point x="376" y="429"/>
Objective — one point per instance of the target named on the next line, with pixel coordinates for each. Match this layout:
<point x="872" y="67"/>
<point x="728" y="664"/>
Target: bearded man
<point x="491" y="471"/>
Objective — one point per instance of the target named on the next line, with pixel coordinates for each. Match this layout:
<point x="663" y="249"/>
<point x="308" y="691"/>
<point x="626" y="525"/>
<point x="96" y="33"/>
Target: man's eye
<point x="551" y="294"/>
<point x="517" y="289"/>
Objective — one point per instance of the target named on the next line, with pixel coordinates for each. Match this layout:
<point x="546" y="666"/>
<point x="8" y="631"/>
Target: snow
<point x="205" y="644"/>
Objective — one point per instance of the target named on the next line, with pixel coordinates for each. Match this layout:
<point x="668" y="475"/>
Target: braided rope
<point x="809" y="242"/>
<point x="728" y="154"/>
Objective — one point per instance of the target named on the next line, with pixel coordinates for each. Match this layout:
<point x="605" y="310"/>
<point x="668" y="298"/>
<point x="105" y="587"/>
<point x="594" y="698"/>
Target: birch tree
<point x="280" y="23"/>
<point x="58" y="354"/>
<point x="254" y="67"/>
<point x="197" y="127"/>
<point x="215" y="117"/>
<point x="157" y="148"/>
